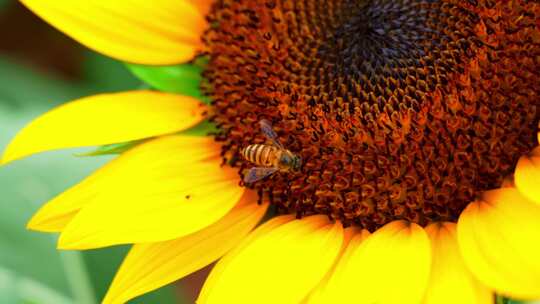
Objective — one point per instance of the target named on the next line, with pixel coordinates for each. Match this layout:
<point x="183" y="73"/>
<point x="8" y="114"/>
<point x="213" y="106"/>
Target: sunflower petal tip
<point x="7" y="157"/>
<point x="32" y="225"/>
<point x="18" y="148"/>
<point x="161" y="113"/>
<point x="41" y="226"/>
<point x="67" y="242"/>
<point x="37" y="223"/>
<point x="169" y="41"/>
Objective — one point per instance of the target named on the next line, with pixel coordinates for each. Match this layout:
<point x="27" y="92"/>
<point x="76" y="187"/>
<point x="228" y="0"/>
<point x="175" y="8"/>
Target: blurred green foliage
<point x="32" y="270"/>
<point x="4" y="2"/>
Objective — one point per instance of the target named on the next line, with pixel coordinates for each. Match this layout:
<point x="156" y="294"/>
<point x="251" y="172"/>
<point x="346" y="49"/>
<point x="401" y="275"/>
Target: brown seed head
<point x="399" y="109"/>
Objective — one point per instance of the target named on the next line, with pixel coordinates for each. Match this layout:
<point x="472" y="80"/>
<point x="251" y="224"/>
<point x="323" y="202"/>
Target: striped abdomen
<point x="262" y="155"/>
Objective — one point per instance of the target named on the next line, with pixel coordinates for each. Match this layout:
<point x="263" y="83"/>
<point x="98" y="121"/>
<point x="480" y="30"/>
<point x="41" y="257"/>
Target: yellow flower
<point x="402" y="156"/>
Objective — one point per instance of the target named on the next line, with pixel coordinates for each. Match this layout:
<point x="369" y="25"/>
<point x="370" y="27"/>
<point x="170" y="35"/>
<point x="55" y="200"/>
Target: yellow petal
<point x="323" y="294"/>
<point x="161" y="190"/>
<point x="527" y="177"/>
<point x="450" y="281"/>
<point x="280" y="265"/>
<point x="139" y="31"/>
<point x="391" y="266"/>
<point x="150" y="266"/>
<point x="106" y="119"/>
<point x="202" y="5"/>
<point x="499" y="239"/>
<point x="57" y="213"/>
<point x="220" y="267"/>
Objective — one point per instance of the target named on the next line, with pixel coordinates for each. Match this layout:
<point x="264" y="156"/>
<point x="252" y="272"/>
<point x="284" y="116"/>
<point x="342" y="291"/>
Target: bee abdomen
<point x="259" y="154"/>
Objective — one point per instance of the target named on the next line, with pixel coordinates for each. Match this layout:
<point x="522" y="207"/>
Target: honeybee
<point x="270" y="158"/>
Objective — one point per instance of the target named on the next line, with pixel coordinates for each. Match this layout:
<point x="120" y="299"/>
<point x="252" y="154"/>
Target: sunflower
<point x="416" y="122"/>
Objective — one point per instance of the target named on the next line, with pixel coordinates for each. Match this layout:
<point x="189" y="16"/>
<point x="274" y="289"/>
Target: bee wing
<point x="266" y="128"/>
<point x="255" y="174"/>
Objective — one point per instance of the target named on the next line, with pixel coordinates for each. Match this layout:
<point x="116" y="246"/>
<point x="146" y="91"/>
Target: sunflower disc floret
<point x="399" y="109"/>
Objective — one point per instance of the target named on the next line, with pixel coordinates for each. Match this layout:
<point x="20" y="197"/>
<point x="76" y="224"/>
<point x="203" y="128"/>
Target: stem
<point x="77" y="277"/>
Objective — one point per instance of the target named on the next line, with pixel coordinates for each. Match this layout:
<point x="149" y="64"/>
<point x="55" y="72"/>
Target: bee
<point x="270" y="158"/>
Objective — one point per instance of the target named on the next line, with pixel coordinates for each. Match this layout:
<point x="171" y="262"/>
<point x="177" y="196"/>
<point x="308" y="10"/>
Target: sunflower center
<point x="399" y="109"/>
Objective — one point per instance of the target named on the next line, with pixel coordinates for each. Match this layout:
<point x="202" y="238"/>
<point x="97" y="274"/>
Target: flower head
<point x="416" y="123"/>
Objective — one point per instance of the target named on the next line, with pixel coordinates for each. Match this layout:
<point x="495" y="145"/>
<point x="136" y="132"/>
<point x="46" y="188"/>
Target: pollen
<point x="398" y="109"/>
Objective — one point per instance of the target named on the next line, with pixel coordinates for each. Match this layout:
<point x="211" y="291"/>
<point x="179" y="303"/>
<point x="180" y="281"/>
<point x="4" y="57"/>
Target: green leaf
<point x="503" y="300"/>
<point x="182" y="79"/>
<point x="205" y="128"/>
<point x="112" y="149"/>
